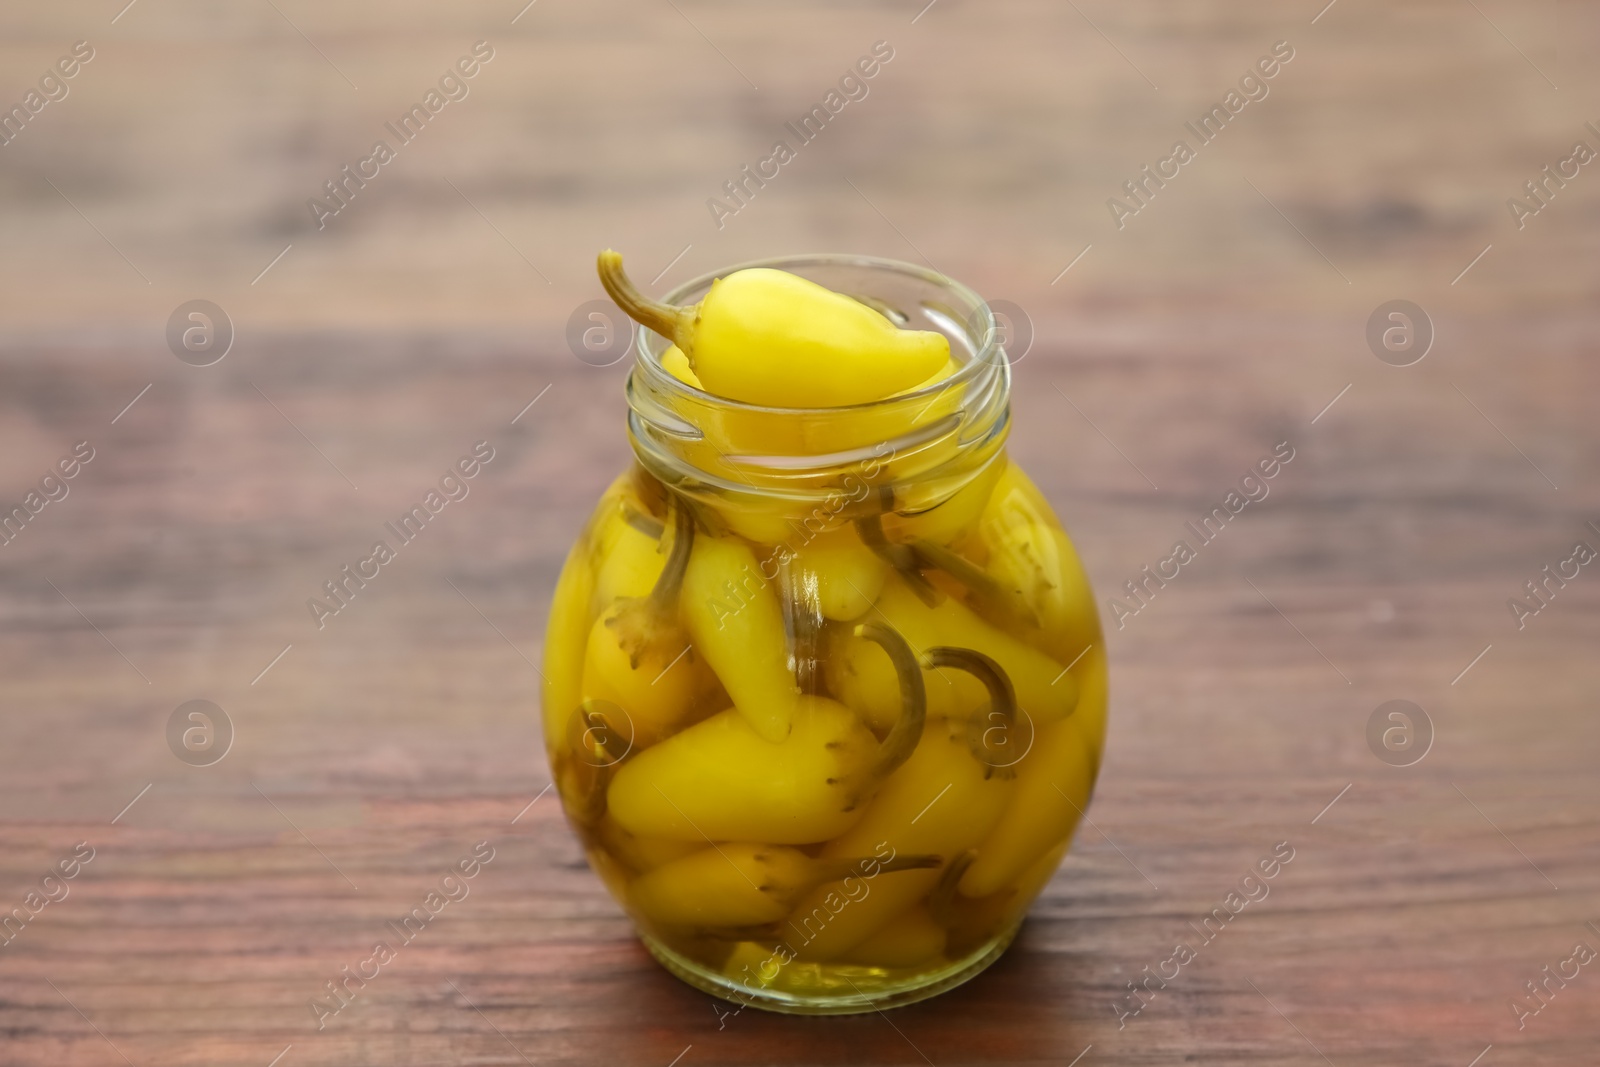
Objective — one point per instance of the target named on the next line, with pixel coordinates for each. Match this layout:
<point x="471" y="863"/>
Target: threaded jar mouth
<point x="936" y="438"/>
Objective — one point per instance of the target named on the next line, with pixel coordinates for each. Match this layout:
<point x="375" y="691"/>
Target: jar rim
<point x="987" y="357"/>
<point x="899" y="439"/>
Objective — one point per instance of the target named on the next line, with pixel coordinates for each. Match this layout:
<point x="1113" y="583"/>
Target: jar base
<point x="845" y="989"/>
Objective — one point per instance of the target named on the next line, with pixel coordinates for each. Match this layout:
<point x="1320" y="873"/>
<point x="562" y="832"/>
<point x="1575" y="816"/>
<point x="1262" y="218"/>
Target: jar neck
<point x="907" y="452"/>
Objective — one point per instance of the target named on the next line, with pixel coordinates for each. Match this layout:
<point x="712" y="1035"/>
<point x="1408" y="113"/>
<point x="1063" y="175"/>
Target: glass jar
<point x="825" y="689"/>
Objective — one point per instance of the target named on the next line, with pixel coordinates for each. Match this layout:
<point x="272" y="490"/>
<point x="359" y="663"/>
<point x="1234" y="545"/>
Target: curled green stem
<point x="1002" y="697"/>
<point x="907" y="730"/>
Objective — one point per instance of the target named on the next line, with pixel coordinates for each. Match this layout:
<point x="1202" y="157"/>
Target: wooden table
<point x="1228" y="315"/>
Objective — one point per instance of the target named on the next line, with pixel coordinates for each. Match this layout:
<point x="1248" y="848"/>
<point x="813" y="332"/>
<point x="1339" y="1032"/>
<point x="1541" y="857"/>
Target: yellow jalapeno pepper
<point x="1033" y="564"/>
<point x="739" y="884"/>
<point x="677" y="364"/>
<point x="639" y="656"/>
<point x="1053" y="784"/>
<point x="568" y="633"/>
<point x="632" y="565"/>
<point x="720" y="780"/>
<point x="736" y="621"/>
<point x="772" y="338"/>
<point x="638" y="854"/>
<point x="951" y="518"/>
<point x="847" y="574"/>
<point x="911" y="940"/>
<point x="920" y="934"/>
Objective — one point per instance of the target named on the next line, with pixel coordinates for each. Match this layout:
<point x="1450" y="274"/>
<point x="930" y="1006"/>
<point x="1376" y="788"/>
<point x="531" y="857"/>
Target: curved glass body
<point x="825" y="689"/>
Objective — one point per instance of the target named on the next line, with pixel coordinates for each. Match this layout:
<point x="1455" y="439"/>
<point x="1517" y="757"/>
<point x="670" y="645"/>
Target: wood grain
<point x="1179" y="350"/>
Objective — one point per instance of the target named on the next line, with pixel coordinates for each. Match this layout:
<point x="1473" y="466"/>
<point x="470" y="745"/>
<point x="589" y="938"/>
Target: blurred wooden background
<point x="372" y="353"/>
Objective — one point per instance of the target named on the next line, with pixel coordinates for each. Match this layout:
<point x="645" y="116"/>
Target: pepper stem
<point x="900" y="557"/>
<point x="943" y="894"/>
<point x="652" y="314"/>
<point x="648" y="525"/>
<point x="802" y="620"/>
<point x="1002" y="698"/>
<point x="838" y="870"/>
<point x="594" y="750"/>
<point x="912" y="558"/>
<point x="590" y="731"/>
<point x="958" y="567"/>
<point x="664" y="593"/>
<point x="907" y="729"/>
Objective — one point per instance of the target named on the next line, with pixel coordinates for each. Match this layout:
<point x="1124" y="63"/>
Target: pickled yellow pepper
<point x="944" y="801"/>
<point x="737" y="625"/>
<point x="848" y="574"/>
<point x="1033" y="563"/>
<point x="630" y="566"/>
<point x="743" y="884"/>
<point x="719" y="780"/>
<point x="918" y="935"/>
<point x="768" y="337"/>
<point x="564" y="651"/>
<point x="1053" y="784"/>
<point x="637" y="647"/>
